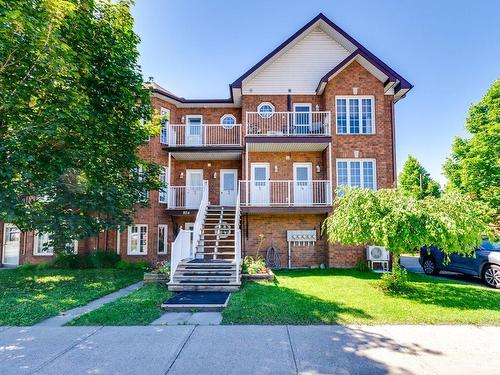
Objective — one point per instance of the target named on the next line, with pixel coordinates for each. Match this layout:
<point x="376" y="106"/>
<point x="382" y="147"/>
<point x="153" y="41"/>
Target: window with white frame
<point x="165" y="120"/>
<point x="355" y="115"/>
<point x="162" y="238"/>
<point x="356" y="173"/>
<point x="265" y="109"/>
<point x="137" y="239"/>
<point x="228" y="121"/>
<point x="42" y="245"/>
<point x="163" y="192"/>
<point x="144" y="194"/>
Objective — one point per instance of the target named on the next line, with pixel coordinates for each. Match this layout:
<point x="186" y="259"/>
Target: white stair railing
<point x="200" y="218"/>
<point x="237" y="237"/>
<point x="181" y="249"/>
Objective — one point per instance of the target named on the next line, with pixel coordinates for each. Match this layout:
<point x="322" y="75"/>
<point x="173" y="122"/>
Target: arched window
<point x="265" y="109"/>
<point x="228" y="121"/>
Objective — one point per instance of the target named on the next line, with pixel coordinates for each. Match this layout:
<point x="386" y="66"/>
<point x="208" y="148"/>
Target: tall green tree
<point x="73" y="113"/>
<point x="474" y="164"/>
<point x="402" y="222"/>
<point x="415" y="181"/>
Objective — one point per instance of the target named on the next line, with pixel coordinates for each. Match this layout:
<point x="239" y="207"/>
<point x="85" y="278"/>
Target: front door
<point x="259" y="189"/>
<point x="194" y="187"/>
<point x="302" y="118"/>
<point x="228" y="181"/>
<point x="302" y="184"/>
<point x="194" y="130"/>
<point x="11" y="244"/>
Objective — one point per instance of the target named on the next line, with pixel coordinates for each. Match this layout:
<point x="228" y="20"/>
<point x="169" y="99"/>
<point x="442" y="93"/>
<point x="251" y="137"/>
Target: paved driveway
<point x="412" y="265"/>
<point x="250" y="350"/>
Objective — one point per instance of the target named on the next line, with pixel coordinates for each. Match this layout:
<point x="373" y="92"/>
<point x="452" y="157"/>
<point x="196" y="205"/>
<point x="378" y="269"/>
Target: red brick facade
<point x="353" y="80"/>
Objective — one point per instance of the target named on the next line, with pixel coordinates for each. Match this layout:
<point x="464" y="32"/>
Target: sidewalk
<point x="63" y="318"/>
<point x="250" y="350"/>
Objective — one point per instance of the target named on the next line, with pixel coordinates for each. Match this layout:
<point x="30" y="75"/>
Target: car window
<point x="490" y="246"/>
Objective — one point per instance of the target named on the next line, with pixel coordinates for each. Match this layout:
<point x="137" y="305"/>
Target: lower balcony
<point x="184" y="198"/>
<point x="286" y="196"/>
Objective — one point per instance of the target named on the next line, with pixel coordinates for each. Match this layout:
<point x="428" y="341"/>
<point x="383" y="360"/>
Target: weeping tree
<point x="390" y="218"/>
<point x="73" y="112"/>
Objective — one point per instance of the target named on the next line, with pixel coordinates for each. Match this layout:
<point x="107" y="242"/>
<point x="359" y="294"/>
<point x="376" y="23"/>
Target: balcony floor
<point x="285" y="144"/>
<point x="286" y="210"/>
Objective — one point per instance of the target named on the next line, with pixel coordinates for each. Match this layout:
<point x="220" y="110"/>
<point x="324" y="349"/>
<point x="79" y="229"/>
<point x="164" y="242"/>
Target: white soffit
<point x="206" y="155"/>
<point x="286" y="147"/>
<point x="300" y="66"/>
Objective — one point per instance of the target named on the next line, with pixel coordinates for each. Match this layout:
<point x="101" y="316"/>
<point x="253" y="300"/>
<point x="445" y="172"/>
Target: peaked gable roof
<point x="395" y="82"/>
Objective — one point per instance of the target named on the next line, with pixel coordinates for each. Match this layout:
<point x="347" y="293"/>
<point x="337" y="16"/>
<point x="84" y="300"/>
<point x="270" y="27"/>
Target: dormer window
<point x="265" y="109"/>
<point x="228" y="121"/>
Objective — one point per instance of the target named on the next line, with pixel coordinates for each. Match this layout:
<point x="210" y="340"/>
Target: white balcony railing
<point x="298" y="124"/>
<point x="188" y="197"/>
<point x="285" y="193"/>
<point x="184" y="135"/>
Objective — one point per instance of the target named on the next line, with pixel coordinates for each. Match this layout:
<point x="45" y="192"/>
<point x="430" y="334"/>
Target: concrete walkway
<point x="188" y="318"/>
<point x="250" y="350"/>
<point x="63" y="318"/>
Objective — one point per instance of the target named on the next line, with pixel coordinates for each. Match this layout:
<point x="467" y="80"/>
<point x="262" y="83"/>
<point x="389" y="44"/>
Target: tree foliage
<point x="71" y="117"/>
<point x="401" y="222"/>
<point x="415" y="181"/>
<point x="474" y="164"/>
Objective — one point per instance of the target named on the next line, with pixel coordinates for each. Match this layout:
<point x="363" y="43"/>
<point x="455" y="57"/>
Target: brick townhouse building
<point x="261" y="168"/>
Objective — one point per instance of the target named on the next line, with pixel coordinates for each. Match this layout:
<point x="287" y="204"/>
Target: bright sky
<point x="449" y="50"/>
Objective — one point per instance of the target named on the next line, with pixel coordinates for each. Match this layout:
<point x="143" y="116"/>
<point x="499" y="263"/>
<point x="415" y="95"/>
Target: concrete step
<point x="203" y="273"/>
<point x="187" y="268"/>
<point x="177" y="287"/>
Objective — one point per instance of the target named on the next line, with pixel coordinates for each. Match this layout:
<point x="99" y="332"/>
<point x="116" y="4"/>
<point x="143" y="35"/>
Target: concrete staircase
<point x="213" y="268"/>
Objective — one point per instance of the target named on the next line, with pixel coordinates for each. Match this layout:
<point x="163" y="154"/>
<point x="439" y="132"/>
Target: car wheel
<point x="491" y="276"/>
<point x="429" y="266"/>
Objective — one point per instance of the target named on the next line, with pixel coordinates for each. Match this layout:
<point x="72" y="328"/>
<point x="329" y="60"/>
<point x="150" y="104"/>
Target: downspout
<point x="393" y="118"/>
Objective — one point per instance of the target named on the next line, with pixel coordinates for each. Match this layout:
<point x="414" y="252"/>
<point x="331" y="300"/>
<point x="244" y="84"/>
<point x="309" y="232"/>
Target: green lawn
<point x="27" y="297"/>
<point x="346" y="296"/>
<point x="139" y="308"/>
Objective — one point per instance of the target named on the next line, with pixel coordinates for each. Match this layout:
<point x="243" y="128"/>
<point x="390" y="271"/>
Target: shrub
<point x="162" y="267"/>
<point x="42" y="266"/>
<point x="103" y="259"/>
<point x="68" y="261"/>
<point x="124" y="265"/>
<point x="27" y="267"/>
<point x="142" y="265"/>
<point x="253" y="266"/>
<point x="396" y="281"/>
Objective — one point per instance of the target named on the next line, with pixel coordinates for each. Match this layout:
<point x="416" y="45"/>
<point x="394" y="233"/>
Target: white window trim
<point x="129" y="239"/>
<point x="360" y="109"/>
<point x="165" y="239"/>
<point x="302" y="105"/>
<point x="51" y="249"/>
<point x="227" y="126"/>
<point x="165" y="201"/>
<point x="361" y="172"/>
<point x="268" y="114"/>
<point x="194" y="116"/>
<point x="164" y="112"/>
<point x="140" y="171"/>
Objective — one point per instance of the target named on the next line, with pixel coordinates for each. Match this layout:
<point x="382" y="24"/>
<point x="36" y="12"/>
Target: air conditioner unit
<point x="377" y="253"/>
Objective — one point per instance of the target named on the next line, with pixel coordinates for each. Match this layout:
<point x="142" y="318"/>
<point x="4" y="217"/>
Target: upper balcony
<point x="288" y="124"/>
<point x="195" y="141"/>
<point x="288" y="131"/>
